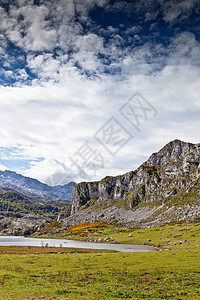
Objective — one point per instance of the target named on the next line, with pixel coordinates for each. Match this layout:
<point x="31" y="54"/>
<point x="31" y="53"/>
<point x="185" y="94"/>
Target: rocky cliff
<point x="165" y="187"/>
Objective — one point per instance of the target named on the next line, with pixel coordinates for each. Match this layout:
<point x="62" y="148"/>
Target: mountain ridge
<point x="168" y="176"/>
<point x="35" y="189"/>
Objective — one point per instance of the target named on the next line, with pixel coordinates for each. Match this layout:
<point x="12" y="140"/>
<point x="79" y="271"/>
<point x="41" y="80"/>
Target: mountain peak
<point x="35" y="189"/>
<point x="169" y="180"/>
<point x="177" y="142"/>
<point x="173" y="151"/>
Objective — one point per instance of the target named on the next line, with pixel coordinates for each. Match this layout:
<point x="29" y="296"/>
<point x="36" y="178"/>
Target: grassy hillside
<point x="11" y="201"/>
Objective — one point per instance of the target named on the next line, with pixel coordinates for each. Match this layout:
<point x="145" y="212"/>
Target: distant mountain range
<point x="34" y="189"/>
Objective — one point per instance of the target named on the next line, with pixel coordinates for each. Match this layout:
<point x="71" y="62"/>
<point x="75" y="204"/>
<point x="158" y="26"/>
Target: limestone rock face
<point x="166" y="173"/>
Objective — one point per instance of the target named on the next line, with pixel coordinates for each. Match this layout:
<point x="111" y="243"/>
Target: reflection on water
<point x="37" y="242"/>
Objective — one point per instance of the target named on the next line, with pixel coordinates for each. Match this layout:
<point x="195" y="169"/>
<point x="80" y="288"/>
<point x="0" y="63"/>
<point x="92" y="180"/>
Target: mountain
<point x="21" y="216"/>
<point x="165" y="188"/>
<point x="35" y="189"/>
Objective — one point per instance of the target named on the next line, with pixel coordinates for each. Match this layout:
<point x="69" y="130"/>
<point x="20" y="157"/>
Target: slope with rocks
<point x="163" y="189"/>
<point x="21" y="216"/>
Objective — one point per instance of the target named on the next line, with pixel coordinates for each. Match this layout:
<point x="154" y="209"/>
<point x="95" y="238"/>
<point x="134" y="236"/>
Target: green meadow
<point x="172" y="271"/>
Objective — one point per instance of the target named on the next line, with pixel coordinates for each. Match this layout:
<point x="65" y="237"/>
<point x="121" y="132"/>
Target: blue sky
<point x="68" y="67"/>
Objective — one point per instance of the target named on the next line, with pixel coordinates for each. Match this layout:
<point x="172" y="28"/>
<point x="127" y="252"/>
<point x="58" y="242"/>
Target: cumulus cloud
<point x="173" y="10"/>
<point x="185" y="49"/>
<point x="53" y="36"/>
<point x="58" y="121"/>
<point x="67" y="76"/>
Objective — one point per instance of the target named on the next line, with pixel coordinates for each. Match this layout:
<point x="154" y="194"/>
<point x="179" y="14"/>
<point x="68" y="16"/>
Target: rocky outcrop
<point x="167" y="173"/>
<point x="12" y="223"/>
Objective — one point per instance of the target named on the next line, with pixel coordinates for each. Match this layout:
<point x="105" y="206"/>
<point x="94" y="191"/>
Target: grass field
<point x="172" y="273"/>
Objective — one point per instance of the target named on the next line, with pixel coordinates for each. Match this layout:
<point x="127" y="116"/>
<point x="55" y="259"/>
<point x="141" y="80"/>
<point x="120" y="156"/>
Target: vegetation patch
<point x="51" y="227"/>
<point x="14" y="202"/>
<point x="152" y="171"/>
<point x="86" y="225"/>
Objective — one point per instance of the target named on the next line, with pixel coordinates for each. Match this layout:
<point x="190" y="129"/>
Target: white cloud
<point x="3" y="44"/>
<point x="185" y="49"/>
<point x="63" y="108"/>
<point x="33" y="31"/>
<point x="57" y="119"/>
<point x="47" y="169"/>
<point x="173" y="10"/>
<point x="3" y="168"/>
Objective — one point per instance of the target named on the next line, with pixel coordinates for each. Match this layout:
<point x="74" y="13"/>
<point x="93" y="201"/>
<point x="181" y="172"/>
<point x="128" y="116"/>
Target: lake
<point x="39" y="242"/>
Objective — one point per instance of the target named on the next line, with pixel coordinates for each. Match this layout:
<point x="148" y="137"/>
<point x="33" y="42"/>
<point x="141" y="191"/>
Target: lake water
<point x="39" y="242"/>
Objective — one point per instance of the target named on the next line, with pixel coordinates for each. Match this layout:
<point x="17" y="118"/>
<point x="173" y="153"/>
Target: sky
<point x="91" y="88"/>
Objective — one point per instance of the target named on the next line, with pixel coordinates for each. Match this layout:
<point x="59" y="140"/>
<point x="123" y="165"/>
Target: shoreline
<point x="71" y="244"/>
